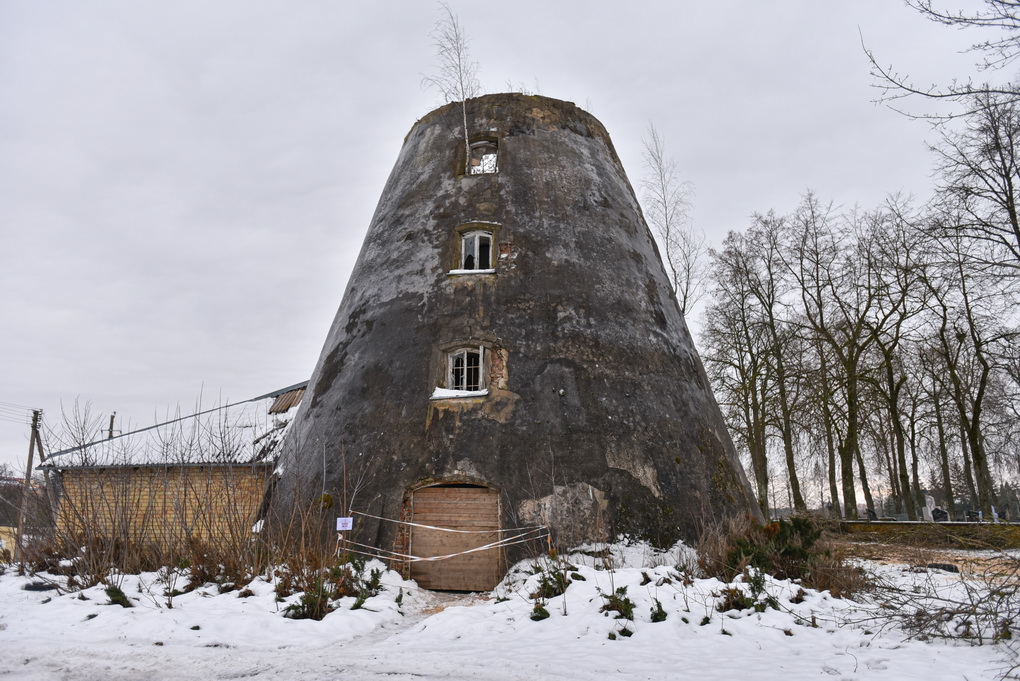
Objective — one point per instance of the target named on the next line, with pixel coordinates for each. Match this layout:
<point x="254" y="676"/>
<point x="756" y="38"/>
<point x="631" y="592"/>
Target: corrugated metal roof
<point x="285" y="401"/>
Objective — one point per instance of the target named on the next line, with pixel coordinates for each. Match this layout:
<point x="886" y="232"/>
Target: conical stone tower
<point x="509" y="354"/>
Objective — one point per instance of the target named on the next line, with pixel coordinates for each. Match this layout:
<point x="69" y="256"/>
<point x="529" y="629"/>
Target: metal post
<point x="26" y="489"/>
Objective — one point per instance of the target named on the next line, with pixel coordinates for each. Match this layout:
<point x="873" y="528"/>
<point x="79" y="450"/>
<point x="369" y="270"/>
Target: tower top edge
<point x="506" y="106"/>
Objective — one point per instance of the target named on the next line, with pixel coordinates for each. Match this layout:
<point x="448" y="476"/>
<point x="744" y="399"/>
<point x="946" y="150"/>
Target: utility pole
<point x="26" y="489"/>
<point x="112" y="417"/>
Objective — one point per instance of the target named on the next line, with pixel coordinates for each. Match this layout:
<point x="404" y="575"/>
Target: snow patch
<point x="446" y="393"/>
<point x="456" y="272"/>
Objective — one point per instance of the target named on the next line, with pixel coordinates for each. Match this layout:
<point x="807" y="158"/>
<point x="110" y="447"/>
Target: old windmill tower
<point x="509" y="354"/>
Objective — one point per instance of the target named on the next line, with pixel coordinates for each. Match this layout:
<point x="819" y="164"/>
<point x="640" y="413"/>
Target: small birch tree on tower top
<point x="456" y="76"/>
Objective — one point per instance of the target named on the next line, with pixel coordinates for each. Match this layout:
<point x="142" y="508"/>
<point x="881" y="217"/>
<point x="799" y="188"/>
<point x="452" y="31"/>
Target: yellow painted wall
<point x="7" y="537"/>
<point x="163" y="506"/>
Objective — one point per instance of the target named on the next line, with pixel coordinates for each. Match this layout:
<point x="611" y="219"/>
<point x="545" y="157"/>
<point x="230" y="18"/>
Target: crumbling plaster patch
<point x="637" y="465"/>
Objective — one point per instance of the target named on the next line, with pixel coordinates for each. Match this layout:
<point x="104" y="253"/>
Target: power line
<point x="17" y="406"/>
<point x="18" y="410"/>
<point x="275" y="393"/>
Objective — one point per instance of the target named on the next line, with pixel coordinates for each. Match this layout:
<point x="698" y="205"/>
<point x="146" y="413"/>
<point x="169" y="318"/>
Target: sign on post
<point x="343" y="524"/>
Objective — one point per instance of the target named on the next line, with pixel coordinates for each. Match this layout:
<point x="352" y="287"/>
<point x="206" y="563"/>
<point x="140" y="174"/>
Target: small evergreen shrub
<point x="117" y="596"/>
<point x="658" y="613"/>
<point x="320" y="586"/>
<point x="762" y="599"/>
<point x="314" y="604"/>
<point x="732" y="598"/>
<point x="619" y="603"/>
<point x="552" y="584"/>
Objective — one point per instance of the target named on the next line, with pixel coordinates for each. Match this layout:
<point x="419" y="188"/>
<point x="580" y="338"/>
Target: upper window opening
<point x="483" y="157"/>
<point x="476" y="251"/>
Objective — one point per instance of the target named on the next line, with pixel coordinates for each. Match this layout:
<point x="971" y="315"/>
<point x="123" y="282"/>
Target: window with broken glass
<point x="476" y="250"/>
<point x="483" y="157"/>
<point x="466" y="369"/>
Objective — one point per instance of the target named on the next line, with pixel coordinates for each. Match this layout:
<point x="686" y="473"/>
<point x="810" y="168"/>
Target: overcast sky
<point x="184" y="186"/>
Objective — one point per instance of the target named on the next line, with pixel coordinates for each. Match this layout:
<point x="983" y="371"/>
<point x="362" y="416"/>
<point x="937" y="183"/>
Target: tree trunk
<point x="899" y="437"/>
<point x="848" y="447"/>
<point x="968" y="474"/>
<point x="915" y="481"/>
<point x="791" y="464"/>
<point x="982" y="474"/>
<point x="830" y="444"/>
<point x="759" y="460"/>
<point x="868" y="500"/>
<point x="890" y="467"/>
<point x="947" y="483"/>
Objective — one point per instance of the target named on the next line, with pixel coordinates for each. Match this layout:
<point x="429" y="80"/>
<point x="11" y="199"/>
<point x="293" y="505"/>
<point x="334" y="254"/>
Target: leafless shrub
<point x="977" y="607"/>
<point x="667" y="204"/>
<point x="183" y="494"/>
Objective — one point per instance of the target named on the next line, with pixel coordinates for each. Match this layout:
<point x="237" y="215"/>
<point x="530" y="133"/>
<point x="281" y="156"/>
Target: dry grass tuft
<point x="800" y="548"/>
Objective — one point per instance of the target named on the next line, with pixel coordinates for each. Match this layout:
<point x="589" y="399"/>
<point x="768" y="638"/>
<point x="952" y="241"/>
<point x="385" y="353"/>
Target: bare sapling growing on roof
<point x="456" y="75"/>
<point x="667" y="205"/>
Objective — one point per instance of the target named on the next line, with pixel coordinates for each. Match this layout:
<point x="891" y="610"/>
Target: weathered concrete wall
<point x="594" y="378"/>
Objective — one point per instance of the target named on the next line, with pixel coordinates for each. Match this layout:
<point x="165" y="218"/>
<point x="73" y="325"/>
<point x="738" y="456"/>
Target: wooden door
<point x="455" y="507"/>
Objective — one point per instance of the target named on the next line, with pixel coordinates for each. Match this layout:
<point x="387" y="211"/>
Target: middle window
<point x="466" y="369"/>
<point x="476" y="250"/>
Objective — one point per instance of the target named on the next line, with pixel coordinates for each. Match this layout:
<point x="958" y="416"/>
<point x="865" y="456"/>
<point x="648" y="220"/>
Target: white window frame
<point x="474" y="237"/>
<point x="464" y="384"/>
<point x="487" y="163"/>
<point x="463" y="388"/>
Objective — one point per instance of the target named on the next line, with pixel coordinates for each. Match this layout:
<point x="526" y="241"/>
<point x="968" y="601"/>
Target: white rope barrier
<point x="509" y="541"/>
<point x="446" y="529"/>
<point x="522" y="536"/>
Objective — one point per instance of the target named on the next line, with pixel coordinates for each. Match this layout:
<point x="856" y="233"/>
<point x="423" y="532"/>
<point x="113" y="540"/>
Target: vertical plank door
<point x="457" y="508"/>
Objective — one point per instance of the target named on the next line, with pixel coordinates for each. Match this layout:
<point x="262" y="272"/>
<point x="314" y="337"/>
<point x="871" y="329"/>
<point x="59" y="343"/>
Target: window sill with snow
<point x="446" y="393"/>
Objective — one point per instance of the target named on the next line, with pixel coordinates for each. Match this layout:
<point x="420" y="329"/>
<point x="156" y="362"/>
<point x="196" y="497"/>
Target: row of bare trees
<point x="876" y="351"/>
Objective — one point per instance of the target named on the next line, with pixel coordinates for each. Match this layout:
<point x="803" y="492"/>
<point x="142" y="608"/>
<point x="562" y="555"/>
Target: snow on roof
<point x="240" y="433"/>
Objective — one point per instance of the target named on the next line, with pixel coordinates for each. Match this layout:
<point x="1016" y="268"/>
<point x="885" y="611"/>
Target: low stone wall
<point x="936" y="535"/>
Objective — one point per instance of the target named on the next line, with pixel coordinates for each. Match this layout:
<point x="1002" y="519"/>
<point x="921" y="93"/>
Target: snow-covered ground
<point x="206" y="635"/>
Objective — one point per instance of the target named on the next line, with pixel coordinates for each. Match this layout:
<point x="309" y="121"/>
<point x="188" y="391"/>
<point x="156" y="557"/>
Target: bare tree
<point x="770" y="283"/>
<point x="968" y="310"/>
<point x="996" y="53"/>
<point x="667" y="206"/>
<point x="834" y="261"/>
<point x="751" y="263"/>
<point x="892" y="265"/>
<point x="979" y="170"/>
<point x="735" y="351"/>
<point x="1003" y="15"/>
<point x="456" y="77"/>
